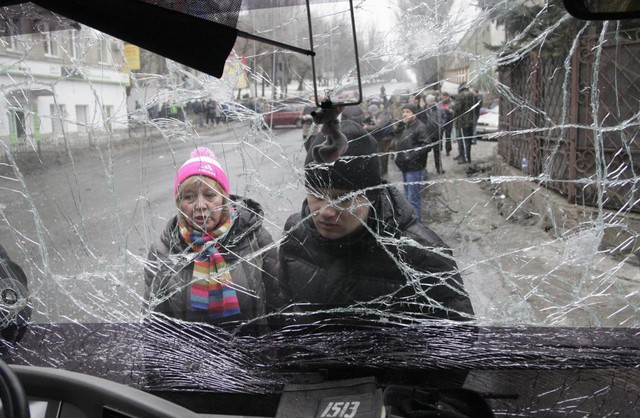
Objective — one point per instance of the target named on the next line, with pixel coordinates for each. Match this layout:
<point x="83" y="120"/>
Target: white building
<point x="66" y="83"/>
<point x="472" y="62"/>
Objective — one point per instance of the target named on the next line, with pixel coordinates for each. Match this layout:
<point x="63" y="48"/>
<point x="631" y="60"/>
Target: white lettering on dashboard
<point x="341" y="410"/>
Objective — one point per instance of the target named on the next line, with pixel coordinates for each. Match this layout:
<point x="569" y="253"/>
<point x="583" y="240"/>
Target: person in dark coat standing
<point x="357" y="243"/>
<point x="434" y="128"/>
<point x="466" y="111"/>
<point x="383" y="131"/>
<point x="411" y="158"/>
<point x="447" y="121"/>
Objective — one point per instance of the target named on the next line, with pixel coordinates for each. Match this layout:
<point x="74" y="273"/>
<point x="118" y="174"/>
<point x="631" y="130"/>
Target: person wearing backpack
<point x="214" y="259"/>
<point x="466" y="111"/>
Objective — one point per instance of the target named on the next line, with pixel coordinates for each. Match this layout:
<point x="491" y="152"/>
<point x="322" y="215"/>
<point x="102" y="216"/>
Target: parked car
<point x="284" y="116"/>
<point x="488" y="123"/>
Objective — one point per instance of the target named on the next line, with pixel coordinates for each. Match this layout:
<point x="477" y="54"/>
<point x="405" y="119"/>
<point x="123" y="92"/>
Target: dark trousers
<point x="385" y="146"/>
<point x="436" y="156"/>
<point x="446" y="137"/>
<point x="464" y="143"/>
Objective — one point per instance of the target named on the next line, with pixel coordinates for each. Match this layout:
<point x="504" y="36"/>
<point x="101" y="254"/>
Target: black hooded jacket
<point x="413" y="147"/>
<point x="395" y="264"/>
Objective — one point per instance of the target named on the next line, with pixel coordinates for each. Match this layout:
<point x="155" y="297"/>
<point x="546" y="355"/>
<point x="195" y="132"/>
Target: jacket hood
<point x="250" y="215"/>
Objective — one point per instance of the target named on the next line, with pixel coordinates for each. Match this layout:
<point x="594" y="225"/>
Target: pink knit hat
<point x="201" y="163"/>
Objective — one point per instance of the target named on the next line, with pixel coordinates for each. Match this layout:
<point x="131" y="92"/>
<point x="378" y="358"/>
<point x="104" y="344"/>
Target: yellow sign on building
<point x="234" y="70"/>
<point x="132" y="57"/>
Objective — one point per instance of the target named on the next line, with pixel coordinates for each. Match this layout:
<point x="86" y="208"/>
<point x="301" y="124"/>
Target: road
<point x="517" y="273"/>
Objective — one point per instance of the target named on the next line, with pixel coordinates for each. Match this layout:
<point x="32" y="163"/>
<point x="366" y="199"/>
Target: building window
<point x="105" y="51"/>
<point x="82" y="118"/>
<point x="75" y="44"/>
<point x="107" y="112"/>
<point x="17" y="124"/>
<point x="58" y="114"/>
<point x="50" y="43"/>
<point x="15" y="40"/>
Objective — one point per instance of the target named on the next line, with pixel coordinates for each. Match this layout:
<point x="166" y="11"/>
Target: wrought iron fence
<point x="548" y="112"/>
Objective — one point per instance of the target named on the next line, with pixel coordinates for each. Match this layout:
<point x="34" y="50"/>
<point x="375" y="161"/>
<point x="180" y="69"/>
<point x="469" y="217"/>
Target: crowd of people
<point x="409" y="129"/>
<point x="441" y="115"/>
<point x="202" y="112"/>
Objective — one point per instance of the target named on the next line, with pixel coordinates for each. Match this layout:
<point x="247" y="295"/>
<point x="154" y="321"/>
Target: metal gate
<point x="548" y="109"/>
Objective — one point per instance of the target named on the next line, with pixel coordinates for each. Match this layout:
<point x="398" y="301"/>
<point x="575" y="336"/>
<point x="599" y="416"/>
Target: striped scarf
<point x="211" y="289"/>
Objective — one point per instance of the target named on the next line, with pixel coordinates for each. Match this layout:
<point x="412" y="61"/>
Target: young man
<point x="411" y="158"/>
<point x="357" y="243"/>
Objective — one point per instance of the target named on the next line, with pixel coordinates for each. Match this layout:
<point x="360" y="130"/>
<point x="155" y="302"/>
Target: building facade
<point x="62" y="84"/>
<point x="472" y="62"/>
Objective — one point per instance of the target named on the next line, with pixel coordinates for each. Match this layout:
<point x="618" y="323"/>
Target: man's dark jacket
<point x="413" y="147"/>
<point x="467" y="109"/>
<point x="395" y="264"/>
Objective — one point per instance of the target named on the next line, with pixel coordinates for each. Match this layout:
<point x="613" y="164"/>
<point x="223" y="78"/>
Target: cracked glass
<point x="310" y="264"/>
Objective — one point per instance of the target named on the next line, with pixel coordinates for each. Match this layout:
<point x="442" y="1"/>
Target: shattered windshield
<point x="483" y="172"/>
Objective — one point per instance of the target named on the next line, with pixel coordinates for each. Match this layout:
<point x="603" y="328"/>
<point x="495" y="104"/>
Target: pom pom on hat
<point x="202" y="162"/>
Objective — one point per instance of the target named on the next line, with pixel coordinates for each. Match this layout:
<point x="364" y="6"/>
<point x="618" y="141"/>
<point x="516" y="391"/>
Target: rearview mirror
<point x="603" y="9"/>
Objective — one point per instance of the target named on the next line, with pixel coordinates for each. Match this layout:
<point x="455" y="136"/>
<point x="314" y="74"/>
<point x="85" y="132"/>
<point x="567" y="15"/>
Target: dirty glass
<point x="542" y="223"/>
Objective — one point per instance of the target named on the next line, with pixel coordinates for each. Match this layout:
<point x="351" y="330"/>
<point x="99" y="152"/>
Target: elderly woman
<point x="214" y="256"/>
